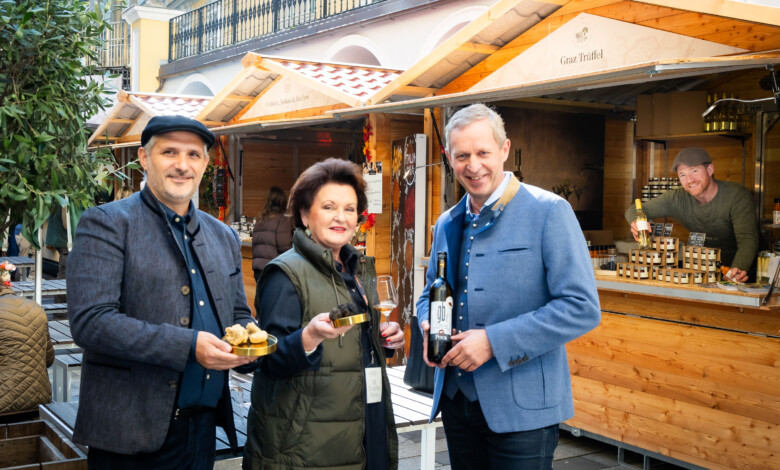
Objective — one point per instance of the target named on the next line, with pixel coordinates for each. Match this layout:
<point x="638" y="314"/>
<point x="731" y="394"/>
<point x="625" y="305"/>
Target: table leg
<point x="428" y="448"/>
<point x="62" y="381"/>
<point x="66" y="384"/>
<point x="60" y="371"/>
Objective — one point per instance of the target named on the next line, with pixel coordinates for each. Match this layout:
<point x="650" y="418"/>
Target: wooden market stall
<point x="683" y="374"/>
<point x="687" y="373"/>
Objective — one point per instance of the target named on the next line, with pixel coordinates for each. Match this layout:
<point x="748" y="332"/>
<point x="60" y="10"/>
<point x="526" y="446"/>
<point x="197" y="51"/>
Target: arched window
<point x="197" y="89"/>
<point x="356" y="55"/>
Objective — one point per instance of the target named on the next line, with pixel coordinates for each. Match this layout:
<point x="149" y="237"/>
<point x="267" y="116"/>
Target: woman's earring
<point x="308" y="232"/>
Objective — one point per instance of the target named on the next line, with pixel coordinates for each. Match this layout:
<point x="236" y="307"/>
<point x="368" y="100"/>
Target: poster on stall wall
<point x="407" y="221"/>
<point x="372" y="173"/>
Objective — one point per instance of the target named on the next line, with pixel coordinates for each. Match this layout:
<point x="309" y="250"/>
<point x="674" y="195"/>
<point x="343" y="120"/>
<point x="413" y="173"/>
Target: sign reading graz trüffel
<point x="590" y="43"/>
<point x="582" y="57"/>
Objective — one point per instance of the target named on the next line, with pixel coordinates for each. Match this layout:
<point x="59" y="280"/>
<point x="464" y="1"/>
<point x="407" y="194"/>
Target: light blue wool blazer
<point x="531" y="287"/>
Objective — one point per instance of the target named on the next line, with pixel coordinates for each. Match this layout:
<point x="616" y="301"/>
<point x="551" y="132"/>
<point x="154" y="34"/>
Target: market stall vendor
<point x="721" y="209"/>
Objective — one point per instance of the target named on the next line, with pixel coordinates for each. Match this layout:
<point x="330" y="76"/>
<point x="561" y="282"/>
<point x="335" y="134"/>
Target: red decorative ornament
<point x="5" y="273"/>
<point x="367" y="133"/>
<point x="368" y="222"/>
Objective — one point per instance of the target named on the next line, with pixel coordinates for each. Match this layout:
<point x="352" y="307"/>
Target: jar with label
<point x="611" y="260"/>
<point x="776" y="212"/>
<point x="762" y="265"/>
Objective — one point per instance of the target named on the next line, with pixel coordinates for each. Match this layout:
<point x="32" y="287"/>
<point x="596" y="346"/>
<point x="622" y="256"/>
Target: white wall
<point x="397" y="42"/>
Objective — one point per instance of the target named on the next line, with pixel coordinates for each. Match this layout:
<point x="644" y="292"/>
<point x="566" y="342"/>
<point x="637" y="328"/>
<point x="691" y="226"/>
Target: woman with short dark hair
<point x="323" y="398"/>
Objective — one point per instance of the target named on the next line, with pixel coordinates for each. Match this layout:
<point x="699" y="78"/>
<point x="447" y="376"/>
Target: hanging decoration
<point x="367" y="133"/>
<point x="5" y="273"/>
<point x="369" y="173"/>
<point x="369" y="220"/>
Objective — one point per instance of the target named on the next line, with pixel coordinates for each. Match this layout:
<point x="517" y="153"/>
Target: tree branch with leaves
<point x="47" y="93"/>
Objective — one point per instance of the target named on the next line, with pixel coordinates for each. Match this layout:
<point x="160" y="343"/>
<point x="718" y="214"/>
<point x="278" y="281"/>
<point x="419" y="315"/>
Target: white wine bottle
<point x="642" y="226"/>
<point x="440" y="312"/>
<point x="708" y="117"/>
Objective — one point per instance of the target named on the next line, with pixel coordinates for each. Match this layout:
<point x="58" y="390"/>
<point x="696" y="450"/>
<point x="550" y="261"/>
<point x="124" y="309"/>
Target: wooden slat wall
<point x="388" y="127"/>
<point x="435" y="173"/>
<point x="706" y="396"/>
<point x="618" y="176"/>
<point x="267" y="163"/>
<point x="755" y="321"/>
<point x="250" y="287"/>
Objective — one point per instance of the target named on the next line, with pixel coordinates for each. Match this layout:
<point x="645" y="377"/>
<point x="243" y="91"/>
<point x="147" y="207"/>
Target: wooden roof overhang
<point x="736" y="25"/>
<point x="246" y="128"/>
<point x="266" y="81"/>
<point x="635" y="74"/>
<point x="132" y="110"/>
<point x="486" y="34"/>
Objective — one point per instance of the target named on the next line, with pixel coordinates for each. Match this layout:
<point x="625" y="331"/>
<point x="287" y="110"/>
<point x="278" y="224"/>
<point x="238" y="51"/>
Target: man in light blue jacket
<point x="523" y="286"/>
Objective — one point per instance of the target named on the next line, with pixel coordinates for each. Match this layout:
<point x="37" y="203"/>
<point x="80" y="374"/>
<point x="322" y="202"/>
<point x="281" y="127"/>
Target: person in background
<point x="57" y="238"/>
<point x="322" y="400"/>
<point x="13" y="247"/>
<point x="25" y="353"/>
<point x="522" y="290"/>
<point x="152" y="283"/>
<point x="14" y="231"/>
<point x="721" y="209"/>
<point x="273" y="231"/>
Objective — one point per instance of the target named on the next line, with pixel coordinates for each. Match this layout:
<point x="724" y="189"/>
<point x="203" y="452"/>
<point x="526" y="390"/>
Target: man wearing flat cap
<point x="721" y="209"/>
<point x="152" y="283"/>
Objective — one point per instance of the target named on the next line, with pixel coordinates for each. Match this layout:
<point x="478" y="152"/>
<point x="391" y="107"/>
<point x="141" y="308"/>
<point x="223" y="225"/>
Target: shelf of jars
<point x="664" y="138"/>
<point x="725" y="117"/>
<point x="659" y="185"/>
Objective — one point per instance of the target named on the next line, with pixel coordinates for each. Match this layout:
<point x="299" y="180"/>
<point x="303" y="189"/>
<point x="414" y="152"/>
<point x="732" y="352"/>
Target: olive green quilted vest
<point x="315" y="419"/>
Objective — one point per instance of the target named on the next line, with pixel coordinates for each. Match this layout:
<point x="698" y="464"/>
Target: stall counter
<point x="686" y="374"/>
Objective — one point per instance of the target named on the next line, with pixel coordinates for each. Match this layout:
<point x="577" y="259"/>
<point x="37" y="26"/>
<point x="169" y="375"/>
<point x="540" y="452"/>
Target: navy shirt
<point x="199" y="387"/>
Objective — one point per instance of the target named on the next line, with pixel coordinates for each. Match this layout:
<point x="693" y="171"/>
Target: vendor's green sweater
<point x="729" y="220"/>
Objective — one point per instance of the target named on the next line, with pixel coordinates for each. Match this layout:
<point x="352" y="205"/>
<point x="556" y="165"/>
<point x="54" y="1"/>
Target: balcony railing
<point x="226" y="22"/>
<point x="114" y="51"/>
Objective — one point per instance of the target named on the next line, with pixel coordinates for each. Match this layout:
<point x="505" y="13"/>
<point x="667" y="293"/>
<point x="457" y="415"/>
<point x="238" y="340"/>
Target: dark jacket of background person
<point x="270" y="237"/>
<point x="129" y="297"/>
<point x="315" y="417"/>
<point x="25" y="353"/>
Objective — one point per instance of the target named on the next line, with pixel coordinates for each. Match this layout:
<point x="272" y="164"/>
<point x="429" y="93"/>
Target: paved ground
<point x="572" y="453"/>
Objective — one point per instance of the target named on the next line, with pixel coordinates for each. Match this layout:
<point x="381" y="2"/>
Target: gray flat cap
<point x="691" y="156"/>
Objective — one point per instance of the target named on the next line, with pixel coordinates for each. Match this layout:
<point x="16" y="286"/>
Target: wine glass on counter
<point x="388" y="296"/>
